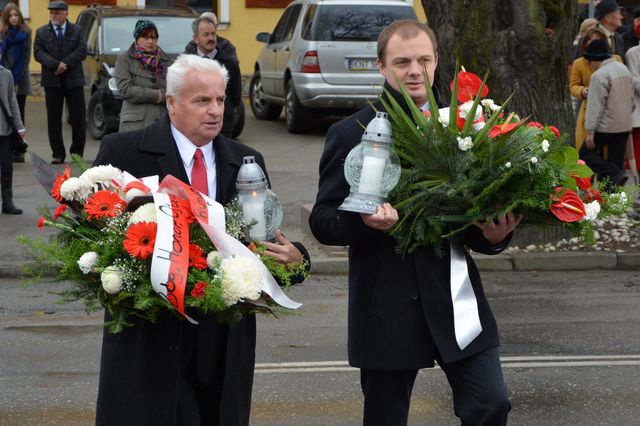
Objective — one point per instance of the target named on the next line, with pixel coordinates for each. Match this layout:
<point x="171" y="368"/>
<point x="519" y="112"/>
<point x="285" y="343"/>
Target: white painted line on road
<point x="551" y="361"/>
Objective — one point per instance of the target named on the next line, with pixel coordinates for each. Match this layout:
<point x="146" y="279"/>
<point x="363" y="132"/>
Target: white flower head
<point x="102" y="176"/>
<point x="144" y="213"/>
<point x="465" y="109"/>
<point x="592" y="210"/>
<point x="545" y="145"/>
<point x="489" y="103"/>
<point x="444" y="119"/>
<point x="465" y="144"/>
<point x="508" y="164"/>
<point x="88" y="261"/>
<point x="75" y="189"/>
<point x="133" y="193"/>
<point x="111" y="279"/>
<point x="478" y="126"/>
<point x="241" y="280"/>
<point x="534" y="160"/>
<point x="213" y="260"/>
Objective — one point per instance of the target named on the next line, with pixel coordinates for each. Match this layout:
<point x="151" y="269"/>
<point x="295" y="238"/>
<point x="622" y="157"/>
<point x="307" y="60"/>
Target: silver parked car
<point x="321" y="56"/>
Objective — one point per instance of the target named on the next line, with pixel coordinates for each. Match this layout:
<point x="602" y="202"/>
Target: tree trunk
<point x="524" y="44"/>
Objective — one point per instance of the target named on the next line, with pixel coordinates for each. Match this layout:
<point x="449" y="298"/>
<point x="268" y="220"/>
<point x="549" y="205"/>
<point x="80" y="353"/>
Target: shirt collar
<point x="208" y="55"/>
<point x="186" y="148"/>
<point x="63" y="26"/>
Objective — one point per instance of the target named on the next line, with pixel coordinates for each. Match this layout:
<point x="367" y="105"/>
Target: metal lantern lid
<point x="250" y="176"/>
<point x="378" y="130"/>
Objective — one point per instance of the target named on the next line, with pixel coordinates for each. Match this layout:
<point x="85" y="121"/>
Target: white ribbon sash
<point x="466" y="319"/>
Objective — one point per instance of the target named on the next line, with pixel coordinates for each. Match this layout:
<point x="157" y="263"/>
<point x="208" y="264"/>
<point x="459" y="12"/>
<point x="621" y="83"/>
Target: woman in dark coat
<point x="15" y="40"/>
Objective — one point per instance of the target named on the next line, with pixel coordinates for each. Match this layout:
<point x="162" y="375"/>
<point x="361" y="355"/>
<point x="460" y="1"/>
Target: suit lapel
<point x="158" y="139"/>
<point x="228" y="162"/>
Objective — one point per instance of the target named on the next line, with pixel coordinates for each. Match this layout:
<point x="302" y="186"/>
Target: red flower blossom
<point x="196" y="257"/>
<point x="60" y="179"/>
<point x="200" y="289"/>
<point x="583" y="183"/>
<point x="567" y="205"/>
<point x="535" y="124"/>
<point x="252" y="246"/>
<point x="555" y="131"/>
<point x="104" y="204"/>
<point x="426" y="113"/>
<point x="592" y="194"/>
<point x="140" y="239"/>
<point x="41" y="222"/>
<point x="59" y="210"/>
<point x="469" y="86"/>
<point x="504" y="128"/>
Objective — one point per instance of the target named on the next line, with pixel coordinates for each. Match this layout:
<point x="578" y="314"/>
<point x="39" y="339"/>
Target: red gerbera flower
<point x="567" y="205"/>
<point x="200" y="289"/>
<point x="59" y="210"/>
<point x="55" y="189"/>
<point x="196" y="257"/>
<point x="104" y="204"/>
<point x="41" y="222"/>
<point x="140" y="239"/>
<point x="469" y="86"/>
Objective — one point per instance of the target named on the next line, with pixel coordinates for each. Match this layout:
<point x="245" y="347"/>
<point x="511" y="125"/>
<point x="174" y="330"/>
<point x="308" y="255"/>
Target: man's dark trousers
<point x="54" y="99"/>
<point x="613" y="166"/>
<point x="479" y="392"/>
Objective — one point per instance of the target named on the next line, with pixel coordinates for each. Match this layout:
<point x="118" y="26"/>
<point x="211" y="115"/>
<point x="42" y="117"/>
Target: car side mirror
<point x="263" y="37"/>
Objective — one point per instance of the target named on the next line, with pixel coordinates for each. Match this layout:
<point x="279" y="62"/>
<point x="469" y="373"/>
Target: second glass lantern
<point x="372" y="169"/>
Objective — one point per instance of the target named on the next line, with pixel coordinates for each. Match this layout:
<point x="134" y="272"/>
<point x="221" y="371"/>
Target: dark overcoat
<point x="140" y="366"/>
<point x="49" y="53"/>
<point x="400" y="308"/>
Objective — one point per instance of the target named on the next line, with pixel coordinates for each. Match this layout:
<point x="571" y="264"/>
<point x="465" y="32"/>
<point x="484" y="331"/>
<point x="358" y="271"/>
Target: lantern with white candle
<point x="259" y="204"/>
<point x="372" y="169"/>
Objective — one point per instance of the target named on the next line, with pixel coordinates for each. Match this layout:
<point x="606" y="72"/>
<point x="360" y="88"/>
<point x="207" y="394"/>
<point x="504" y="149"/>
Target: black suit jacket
<point x="46" y="50"/>
<point x="400" y="308"/>
<point x="140" y="366"/>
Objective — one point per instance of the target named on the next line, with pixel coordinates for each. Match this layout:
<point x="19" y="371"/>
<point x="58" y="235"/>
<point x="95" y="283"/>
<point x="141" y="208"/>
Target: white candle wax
<point x="253" y="209"/>
<point x="371" y="175"/>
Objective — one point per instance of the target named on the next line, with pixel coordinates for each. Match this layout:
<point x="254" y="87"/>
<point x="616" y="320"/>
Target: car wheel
<point x="96" y="124"/>
<point x="238" y="121"/>
<point x="295" y="114"/>
<point x="262" y="109"/>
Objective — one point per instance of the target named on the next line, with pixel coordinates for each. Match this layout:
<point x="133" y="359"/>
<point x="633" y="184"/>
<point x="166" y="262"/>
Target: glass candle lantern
<point x="259" y="204"/>
<point x="372" y="169"/>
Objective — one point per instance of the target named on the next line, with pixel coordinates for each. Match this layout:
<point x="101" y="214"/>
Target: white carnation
<point x="444" y="120"/>
<point x="213" y="259"/>
<point x="478" y="126"/>
<point x="508" y="164"/>
<point x="144" y="213"/>
<point x="75" y="189"/>
<point x="102" y="175"/>
<point x="545" y="145"/>
<point x="489" y="103"/>
<point x="465" y="109"/>
<point x="111" y="279"/>
<point x="133" y="193"/>
<point x="465" y="144"/>
<point x="88" y="261"/>
<point x="592" y="210"/>
<point x="241" y="280"/>
<point x="534" y="160"/>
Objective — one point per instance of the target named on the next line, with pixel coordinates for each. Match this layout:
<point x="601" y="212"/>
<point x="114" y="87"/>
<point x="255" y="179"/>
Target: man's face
<point x="206" y="38"/>
<point x="58" y="16"/>
<point x="613" y="20"/>
<point x="406" y="58"/>
<point x="198" y="113"/>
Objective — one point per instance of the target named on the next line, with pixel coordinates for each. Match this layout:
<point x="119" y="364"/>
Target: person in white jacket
<point x="633" y="62"/>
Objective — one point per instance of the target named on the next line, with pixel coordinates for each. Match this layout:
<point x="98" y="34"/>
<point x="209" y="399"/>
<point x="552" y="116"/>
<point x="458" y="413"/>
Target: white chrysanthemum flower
<point x="478" y="126"/>
<point x="133" y="193"/>
<point x="75" y="189"/>
<point x="213" y="259"/>
<point x="144" y="213"/>
<point x="464" y="144"/>
<point x="88" y="261"/>
<point x="592" y="210"/>
<point x="241" y="280"/>
<point x="111" y="279"/>
<point x="545" y="145"/>
<point x="465" y="109"/>
<point x="102" y="175"/>
<point x="489" y="103"/>
<point x="534" y="160"/>
<point x="508" y="164"/>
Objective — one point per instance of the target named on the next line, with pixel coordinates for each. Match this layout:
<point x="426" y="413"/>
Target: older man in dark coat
<point x="171" y="372"/>
<point x="60" y="50"/>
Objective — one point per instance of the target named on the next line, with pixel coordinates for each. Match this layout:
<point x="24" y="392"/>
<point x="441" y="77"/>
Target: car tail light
<point x="310" y="62"/>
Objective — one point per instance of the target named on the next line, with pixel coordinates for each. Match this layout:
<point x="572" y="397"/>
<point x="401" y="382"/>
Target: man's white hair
<point x="177" y="72"/>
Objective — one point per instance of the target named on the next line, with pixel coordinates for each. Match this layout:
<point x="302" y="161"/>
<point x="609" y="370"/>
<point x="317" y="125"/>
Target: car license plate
<point x="362" y="65"/>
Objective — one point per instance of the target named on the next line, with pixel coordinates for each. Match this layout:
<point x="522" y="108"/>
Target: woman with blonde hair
<point x="15" y="42"/>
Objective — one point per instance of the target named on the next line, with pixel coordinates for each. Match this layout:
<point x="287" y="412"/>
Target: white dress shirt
<point x="187" y="149"/>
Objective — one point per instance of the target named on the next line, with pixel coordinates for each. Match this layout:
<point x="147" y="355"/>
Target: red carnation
<point x="196" y="257"/>
<point x="41" y="222"/>
<point x="555" y="131"/>
<point x="592" y="194"/>
<point x="200" y="289"/>
<point x="59" y="210"/>
<point x="535" y="124"/>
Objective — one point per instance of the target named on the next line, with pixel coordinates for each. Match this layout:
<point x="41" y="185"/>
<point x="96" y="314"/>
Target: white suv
<point x="321" y="56"/>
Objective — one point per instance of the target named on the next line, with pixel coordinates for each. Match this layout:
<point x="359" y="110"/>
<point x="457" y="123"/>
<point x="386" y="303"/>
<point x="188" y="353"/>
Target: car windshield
<point x="174" y="33"/>
<point x="353" y="22"/>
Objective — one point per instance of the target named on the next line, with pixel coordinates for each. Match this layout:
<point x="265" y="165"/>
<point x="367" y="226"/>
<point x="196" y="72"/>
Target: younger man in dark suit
<point x="60" y="50"/>
<point x="401" y="314"/>
<point x="171" y="372"/>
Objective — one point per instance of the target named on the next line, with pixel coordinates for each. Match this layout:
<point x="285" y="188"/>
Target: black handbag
<point x="18" y="145"/>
